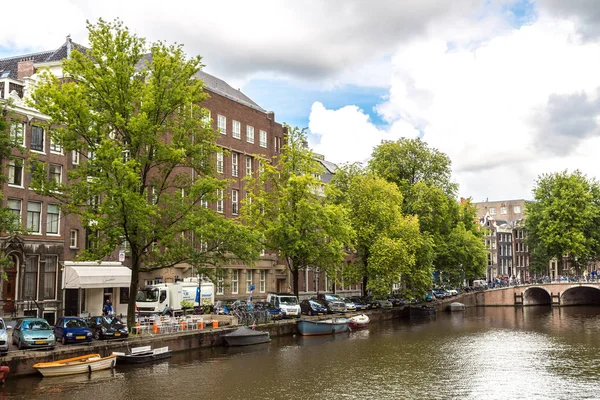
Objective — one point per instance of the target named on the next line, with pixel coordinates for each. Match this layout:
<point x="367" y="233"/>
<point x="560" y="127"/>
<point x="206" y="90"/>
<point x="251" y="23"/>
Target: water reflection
<point x="495" y="353"/>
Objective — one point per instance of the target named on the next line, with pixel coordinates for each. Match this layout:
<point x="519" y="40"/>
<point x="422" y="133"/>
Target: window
<point x="248" y="165"/>
<point x="220" y="283"/>
<point x="17" y="130"/>
<point x="220" y="162"/>
<point x="517" y="209"/>
<point x="14" y="205"/>
<point x="49" y="286"/>
<point x="492" y="210"/>
<point x="73" y="238"/>
<point x="75" y="157"/>
<point x="236" y="129"/>
<point x="55" y="147"/>
<point x="263" y="139"/>
<point x="204" y="202"/>
<point x="55" y="173"/>
<point x="52" y="219"/>
<point x="37" y="138"/>
<point x="263" y="281"/>
<point x="219" y="200"/>
<point x="30" y="278"/>
<point x="206" y="117"/>
<point x="234" y="201"/>
<point x="34" y="212"/>
<point x="15" y="172"/>
<point x="235" y="274"/>
<point x="248" y="280"/>
<point x="249" y="134"/>
<point x="123" y="295"/>
<point x="234" y="164"/>
<point x="222" y="124"/>
<point x="502" y="210"/>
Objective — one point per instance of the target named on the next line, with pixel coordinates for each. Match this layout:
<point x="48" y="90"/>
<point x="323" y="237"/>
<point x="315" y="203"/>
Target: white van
<point x="287" y="303"/>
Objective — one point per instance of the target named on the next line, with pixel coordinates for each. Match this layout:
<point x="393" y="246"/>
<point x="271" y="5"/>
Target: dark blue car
<point x="72" y="330"/>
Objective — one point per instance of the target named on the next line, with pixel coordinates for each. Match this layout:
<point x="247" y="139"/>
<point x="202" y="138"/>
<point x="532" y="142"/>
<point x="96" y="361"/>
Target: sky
<point x="508" y="89"/>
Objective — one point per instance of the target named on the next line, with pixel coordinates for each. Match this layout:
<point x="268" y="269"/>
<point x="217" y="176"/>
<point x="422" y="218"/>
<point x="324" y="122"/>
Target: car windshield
<point x="111" y="321"/>
<point x="288" y="300"/>
<point x="316" y="304"/>
<point x="2" y="325"/>
<point x="330" y="297"/>
<point x="147" y="295"/>
<point x="35" y="326"/>
<point x="75" y="323"/>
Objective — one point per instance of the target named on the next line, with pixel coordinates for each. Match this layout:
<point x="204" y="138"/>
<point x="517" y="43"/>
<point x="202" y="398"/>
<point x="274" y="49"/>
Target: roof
<point x="10" y="64"/>
<point x="216" y="85"/>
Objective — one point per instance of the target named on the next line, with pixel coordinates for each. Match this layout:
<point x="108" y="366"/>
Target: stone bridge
<point x="556" y="294"/>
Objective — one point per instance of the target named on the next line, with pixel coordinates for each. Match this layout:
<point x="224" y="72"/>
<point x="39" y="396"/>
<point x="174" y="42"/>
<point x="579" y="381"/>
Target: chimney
<point x="271" y="115"/>
<point x="25" y="69"/>
<point x="69" y="45"/>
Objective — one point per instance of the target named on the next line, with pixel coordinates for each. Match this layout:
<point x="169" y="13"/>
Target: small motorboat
<point x="456" y="306"/>
<point x="143" y="354"/>
<point x="359" y="321"/>
<point x="422" y="311"/>
<point x="323" y="327"/>
<point x="245" y="336"/>
<point x="76" y="365"/>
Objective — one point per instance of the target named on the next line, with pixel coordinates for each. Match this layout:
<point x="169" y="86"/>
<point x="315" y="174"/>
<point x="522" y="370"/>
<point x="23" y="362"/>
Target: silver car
<point x="3" y="338"/>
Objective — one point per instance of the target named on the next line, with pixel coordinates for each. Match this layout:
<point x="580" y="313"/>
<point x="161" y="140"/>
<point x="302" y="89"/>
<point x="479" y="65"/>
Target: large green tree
<point x="288" y="206"/>
<point x="389" y="245"/>
<point x="424" y="177"/>
<point x="563" y="219"/>
<point x="132" y="111"/>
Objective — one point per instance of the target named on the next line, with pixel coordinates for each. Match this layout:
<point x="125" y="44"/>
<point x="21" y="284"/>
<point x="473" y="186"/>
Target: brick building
<point x="35" y="281"/>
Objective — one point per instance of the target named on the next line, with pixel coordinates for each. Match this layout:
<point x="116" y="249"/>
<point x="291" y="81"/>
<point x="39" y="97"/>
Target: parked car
<point x="453" y="292"/>
<point x="105" y="327"/>
<point x="72" y="330"/>
<point x="396" y="301"/>
<point x="312" y="307"/>
<point x="33" y="333"/>
<point x="439" y="293"/>
<point x="359" y="303"/>
<point x="350" y="306"/>
<point x="3" y="338"/>
<point x="333" y="303"/>
<point x="275" y="312"/>
<point x="383" y="303"/>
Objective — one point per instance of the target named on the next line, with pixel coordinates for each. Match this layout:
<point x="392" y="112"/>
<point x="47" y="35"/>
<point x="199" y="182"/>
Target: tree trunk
<point x="133" y="287"/>
<point x="364" y="286"/>
<point x="295" y="276"/>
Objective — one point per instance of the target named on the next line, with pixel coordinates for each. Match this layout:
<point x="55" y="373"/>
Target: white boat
<point x="143" y="354"/>
<point x="456" y="306"/>
<point x="359" y="321"/>
<point x="76" y="365"/>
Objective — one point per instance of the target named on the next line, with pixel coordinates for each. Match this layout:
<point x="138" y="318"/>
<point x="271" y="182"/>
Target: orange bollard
<point x="137" y="328"/>
<point x="155" y="328"/>
<point x="215" y="324"/>
<point x="200" y="324"/>
<point x="183" y="325"/>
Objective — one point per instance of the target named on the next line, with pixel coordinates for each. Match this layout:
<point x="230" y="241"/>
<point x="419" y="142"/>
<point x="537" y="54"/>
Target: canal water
<point x="493" y="353"/>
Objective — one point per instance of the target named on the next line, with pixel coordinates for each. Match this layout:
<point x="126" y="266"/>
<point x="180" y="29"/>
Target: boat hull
<point x="77" y="365"/>
<point x="245" y="336"/>
<point x="142" y="358"/>
<point x="359" y="322"/>
<point x="422" y="311"/>
<point x="456" y="307"/>
<point x="326" y="327"/>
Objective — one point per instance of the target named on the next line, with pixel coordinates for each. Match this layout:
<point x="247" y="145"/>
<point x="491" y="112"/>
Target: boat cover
<point x="245" y="331"/>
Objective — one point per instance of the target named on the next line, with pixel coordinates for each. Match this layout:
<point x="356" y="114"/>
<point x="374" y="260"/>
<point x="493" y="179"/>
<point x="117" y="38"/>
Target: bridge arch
<point x="580" y="296"/>
<point x="537" y="296"/>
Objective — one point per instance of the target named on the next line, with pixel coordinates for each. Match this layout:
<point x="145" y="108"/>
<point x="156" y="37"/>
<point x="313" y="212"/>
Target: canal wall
<point x="21" y="361"/>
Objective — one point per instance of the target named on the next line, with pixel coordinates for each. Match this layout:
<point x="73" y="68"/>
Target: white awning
<point x="90" y="277"/>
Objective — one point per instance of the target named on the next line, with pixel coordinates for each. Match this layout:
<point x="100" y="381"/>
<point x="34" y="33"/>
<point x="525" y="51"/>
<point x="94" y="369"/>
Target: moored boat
<point x="422" y="311"/>
<point x="245" y="336"/>
<point x="143" y="354"/>
<point x="323" y="327"/>
<point x="359" y="321"/>
<point x="76" y="365"/>
<point x="456" y="306"/>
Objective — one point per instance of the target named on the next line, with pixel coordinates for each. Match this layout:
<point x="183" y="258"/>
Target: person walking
<point x="107" y="310"/>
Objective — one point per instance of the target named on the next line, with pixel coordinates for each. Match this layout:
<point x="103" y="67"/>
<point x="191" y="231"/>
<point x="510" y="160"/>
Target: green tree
<point x="9" y="224"/>
<point x="287" y="205"/>
<point x="146" y="149"/>
<point x="562" y="220"/>
<point x="388" y="244"/>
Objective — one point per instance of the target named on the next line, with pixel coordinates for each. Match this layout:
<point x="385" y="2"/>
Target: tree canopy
<point x="563" y="219"/>
<point x="287" y="205"/>
<point x="133" y="113"/>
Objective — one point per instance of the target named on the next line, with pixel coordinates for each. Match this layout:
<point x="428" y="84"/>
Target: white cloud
<point x="478" y="100"/>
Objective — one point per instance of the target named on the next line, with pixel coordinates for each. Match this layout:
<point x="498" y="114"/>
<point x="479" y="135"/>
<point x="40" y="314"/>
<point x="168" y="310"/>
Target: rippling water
<point x="497" y="353"/>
